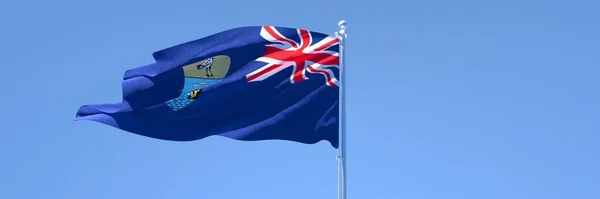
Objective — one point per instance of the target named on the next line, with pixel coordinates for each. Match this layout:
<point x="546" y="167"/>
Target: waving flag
<point x="247" y="83"/>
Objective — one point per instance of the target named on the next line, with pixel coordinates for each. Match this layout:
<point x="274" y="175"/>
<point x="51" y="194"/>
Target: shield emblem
<point x="198" y="75"/>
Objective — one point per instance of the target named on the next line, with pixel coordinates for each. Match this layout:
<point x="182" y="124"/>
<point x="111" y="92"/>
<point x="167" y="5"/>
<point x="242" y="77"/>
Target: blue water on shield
<point x="191" y="84"/>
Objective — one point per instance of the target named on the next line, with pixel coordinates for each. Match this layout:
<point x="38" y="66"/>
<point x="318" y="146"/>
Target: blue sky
<point x="446" y="99"/>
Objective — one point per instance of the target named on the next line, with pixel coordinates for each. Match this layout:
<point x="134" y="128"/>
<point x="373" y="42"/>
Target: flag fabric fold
<point x="248" y="83"/>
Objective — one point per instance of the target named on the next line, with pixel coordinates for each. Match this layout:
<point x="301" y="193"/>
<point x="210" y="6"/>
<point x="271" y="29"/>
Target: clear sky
<point x="459" y="99"/>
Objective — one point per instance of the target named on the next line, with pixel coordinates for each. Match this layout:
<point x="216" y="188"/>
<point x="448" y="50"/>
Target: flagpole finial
<point x="342" y="32"/>
<point x="342" y="23"/>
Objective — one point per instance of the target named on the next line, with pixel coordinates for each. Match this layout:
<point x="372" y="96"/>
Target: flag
<point x="248" y="83"/>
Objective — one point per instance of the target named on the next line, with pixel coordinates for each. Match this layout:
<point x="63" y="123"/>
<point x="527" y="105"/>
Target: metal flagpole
<point x="341" y="35"/>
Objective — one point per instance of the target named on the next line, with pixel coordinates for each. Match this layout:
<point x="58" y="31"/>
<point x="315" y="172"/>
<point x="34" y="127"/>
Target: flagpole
<point x="341" y="35"/>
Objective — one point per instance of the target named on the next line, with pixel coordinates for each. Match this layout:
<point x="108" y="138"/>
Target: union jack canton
<point x="303" y="57"/>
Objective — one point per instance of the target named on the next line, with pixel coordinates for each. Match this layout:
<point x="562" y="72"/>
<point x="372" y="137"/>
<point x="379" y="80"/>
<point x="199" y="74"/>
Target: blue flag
<point x="248" y="83"/>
